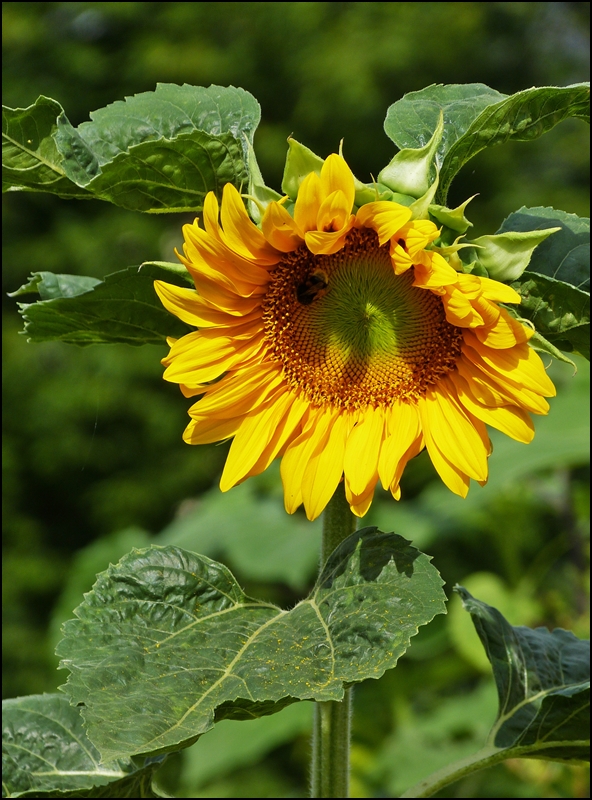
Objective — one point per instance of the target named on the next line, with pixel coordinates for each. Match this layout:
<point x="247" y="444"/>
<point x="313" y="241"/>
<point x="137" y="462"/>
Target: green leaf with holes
<point x="476" y="117"/>
<point x="167" y="642"/>
<point x="122" y="308"/>
<point x="157" y="152"/>
<point x="46" y="753"/>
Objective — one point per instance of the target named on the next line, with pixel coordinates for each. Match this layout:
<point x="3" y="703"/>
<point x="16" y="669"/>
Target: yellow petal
<point x="189" y="307"/>
<point x="384" y="217"/>
<point x="363" y="450"/>
<point x="447" y="426"/>
<point x="512" y="421"/>
<point x="286" y="429"/>
<point x="506" y="333"/>
<point x="241" y="234"/>
<point x="326" y="243"/>
<point x="239" y="393"/>
<point x="498" y="292"/>
<point x="433" y="271"/>
<point x="360" y="503"/>
<point x="250" y="441"/>
<point x="521" y="364"/>
<point x="418" y="234"/>
<point x="325" y="466"/>
<point x="308" y="203"/>
<point x="403" y="428"/>
<point x="207" y="430"/>
<point x="336" y="176"/>
<point x="413" y="450"/>
<point x="296" y="458"/>
<point x="199" y="360"/>
<point x="280" y="229"/>
<point x="333" y="212"/>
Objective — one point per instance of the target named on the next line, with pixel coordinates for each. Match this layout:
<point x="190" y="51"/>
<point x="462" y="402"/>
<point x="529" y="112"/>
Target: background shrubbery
<point x="93" y="458"/>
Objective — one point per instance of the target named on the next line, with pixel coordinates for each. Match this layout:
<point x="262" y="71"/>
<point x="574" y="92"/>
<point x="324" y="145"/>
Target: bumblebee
<point x="314" y="287"/>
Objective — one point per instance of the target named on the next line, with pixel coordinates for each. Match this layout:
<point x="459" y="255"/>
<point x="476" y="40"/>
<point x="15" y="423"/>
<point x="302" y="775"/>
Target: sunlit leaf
<point x="122" y="308"/>
<point x="46" y="753"/>
<point x="158" y="151"/>
<point x="166" y="637"/>
<point x="476" y="117"/>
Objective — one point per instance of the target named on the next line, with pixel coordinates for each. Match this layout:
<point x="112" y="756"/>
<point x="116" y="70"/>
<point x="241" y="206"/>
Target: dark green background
<point x="93" y="436"/>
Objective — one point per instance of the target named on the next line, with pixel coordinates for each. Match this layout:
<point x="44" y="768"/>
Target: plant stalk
<point x="332" y="720"/>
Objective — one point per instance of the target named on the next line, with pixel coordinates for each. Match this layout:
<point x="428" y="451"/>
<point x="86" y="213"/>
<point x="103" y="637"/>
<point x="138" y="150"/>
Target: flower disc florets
<point x="345" y="343"/>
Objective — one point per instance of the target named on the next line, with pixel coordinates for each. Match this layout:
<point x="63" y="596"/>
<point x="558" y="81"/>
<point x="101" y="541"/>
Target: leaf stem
<point x="486" y="757"/>
<point x="332" y="720"/>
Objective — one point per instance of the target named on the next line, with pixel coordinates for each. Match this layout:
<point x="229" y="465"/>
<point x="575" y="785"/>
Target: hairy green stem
<point x="332" y="720"/>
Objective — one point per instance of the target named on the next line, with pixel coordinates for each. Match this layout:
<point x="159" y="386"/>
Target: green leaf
<point x="166" y="637"/>
<point x="158" y="151"/>
<point x="30" y="157"/>
<point x="476" y="117"/>
<point x="543" y="684"/>
<point x="560" y="312"/>
<point x="412" y="120"/>
<point x="564" y="256"/>
<point x="123" y="308"/>
<point x="46" y="753"/>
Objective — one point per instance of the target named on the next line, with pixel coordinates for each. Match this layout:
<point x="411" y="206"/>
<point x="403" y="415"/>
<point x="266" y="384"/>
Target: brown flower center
<point x="351" y="333"/>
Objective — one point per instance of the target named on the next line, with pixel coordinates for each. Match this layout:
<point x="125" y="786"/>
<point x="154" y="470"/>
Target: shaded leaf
<point x="543" y="687"/>
<point x="158" y="151"/>
<point x="166" y="637"/>
<point x="565" y="255"/>
<point x="46" y="753"/>
<point x="122" y="308"/>
<point x="476" y="117"/>
<point x="543" y="684"/>
<point x="560" y="312"/>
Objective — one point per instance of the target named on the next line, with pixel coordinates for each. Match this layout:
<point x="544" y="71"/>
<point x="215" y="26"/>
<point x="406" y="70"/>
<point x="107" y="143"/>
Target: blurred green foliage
<point x="93" y="458"/>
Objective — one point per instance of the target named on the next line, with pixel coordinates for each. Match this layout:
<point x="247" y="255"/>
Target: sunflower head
<point x="344" y="340"/>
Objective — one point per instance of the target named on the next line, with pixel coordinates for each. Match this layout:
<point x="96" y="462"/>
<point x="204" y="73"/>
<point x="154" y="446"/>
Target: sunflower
<point x="344" y="342"/>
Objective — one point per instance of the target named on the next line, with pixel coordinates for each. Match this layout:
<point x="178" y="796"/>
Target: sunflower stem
<point x="332" y="720"/>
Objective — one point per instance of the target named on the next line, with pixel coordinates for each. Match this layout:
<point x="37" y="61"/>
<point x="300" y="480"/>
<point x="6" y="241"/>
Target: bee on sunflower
<point x="342" y="339"/>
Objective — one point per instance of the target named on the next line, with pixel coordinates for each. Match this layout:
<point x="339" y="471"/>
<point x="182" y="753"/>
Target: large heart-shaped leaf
<point x="167" y="638"/>
<point x="158" y="151"/>
<point x="476" y="117"/>
<point x="46" y="753"/>
<point x="122" y="308"/>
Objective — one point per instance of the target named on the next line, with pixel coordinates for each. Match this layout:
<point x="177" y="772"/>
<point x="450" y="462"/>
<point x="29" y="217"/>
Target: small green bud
<point x="410" y="170"/>
<point x="505" y="256"/>
<point x="300" y="161"/>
